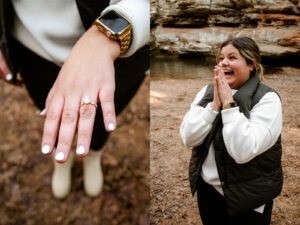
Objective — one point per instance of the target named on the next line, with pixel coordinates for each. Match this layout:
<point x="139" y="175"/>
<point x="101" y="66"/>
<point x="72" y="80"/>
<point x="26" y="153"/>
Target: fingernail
<point x="111" y="127"/>
<point x="43" y="112"/>
<point x="60" y="156"/>
<point x="46" y="149"/>
<point x="9" y="76"/>
<point x="80" y="150"/>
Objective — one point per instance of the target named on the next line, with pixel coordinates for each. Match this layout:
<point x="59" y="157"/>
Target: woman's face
<point x="235" y="67"/>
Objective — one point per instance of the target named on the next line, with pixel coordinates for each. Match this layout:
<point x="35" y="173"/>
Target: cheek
<point x="240" y="68"/>
<point x="234" y="66"/>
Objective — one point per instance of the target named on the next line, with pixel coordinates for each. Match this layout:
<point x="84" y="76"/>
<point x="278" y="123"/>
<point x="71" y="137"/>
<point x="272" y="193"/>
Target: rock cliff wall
<point x="199" y="26"/>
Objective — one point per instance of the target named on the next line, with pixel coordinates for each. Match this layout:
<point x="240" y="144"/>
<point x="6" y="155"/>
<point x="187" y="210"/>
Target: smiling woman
<point x="234" y="127"/>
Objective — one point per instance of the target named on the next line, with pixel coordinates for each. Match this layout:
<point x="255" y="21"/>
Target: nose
<point x="225" y="62"/>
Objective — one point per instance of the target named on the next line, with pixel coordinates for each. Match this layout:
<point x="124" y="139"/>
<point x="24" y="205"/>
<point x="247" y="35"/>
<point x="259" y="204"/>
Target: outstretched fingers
<point x="87" y="114"/>
<point x="47" y="104"/>
<point x="106" y="97"/>
<point x="67" y="129"/>
<point x="62" y="114"/>
<point x="51" y="125"/>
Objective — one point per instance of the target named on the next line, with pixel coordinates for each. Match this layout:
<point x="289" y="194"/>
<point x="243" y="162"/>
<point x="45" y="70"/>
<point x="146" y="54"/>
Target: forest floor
<point x="171" y="199"/>
<point x="25" y="174"/>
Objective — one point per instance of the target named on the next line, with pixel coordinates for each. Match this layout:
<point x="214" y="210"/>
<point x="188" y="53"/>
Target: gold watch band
<point x="229" y="105"/>
<point x="123" y="37"/>
<point x="125" y="41"/>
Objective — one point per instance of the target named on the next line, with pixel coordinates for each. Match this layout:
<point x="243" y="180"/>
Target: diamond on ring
<point x="87" y="101"/>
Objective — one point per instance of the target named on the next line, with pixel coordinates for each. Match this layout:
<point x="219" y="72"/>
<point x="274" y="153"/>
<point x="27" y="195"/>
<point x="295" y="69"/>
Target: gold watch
<point x="229" y="105"/>
<point x="116" y="27"/>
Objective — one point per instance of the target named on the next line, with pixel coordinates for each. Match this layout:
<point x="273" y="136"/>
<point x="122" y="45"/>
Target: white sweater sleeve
<point x="137" y="12"/>
<point x="197" y="122"/>
<point x="246" y="138"/>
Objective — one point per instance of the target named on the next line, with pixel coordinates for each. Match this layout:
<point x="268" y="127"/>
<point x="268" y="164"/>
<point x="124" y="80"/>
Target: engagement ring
<point x="87" y="101"/>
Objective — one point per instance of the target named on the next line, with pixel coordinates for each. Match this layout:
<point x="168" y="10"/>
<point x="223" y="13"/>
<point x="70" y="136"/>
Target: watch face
<point x="114" y="21"/>
<point x="232" y="104"/>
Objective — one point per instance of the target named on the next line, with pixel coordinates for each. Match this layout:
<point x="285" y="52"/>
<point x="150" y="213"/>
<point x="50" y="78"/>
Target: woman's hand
<point x="216" y="104"/>
<point x="5" y="73"/>
<point x="224" y="91"/>
<point x="87" y="73"/>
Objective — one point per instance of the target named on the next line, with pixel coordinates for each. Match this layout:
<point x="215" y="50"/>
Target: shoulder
<point x="268" y="89"/>
<point x="271" y="96"/>
<point x="270" y="101"/>
<point x="264" y="92"/>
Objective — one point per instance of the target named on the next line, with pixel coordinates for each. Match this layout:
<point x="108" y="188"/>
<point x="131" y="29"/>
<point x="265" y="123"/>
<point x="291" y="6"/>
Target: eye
<point x="221" y="58"/>
<point x="232" y="58"/>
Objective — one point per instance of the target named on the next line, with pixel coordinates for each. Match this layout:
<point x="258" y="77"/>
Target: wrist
<point x="112" y="47"/>
<point x="215" y="106"/>
<point x="116" y="27"/>
<point x="227" y="101"/>
<point x="229" y="105"/>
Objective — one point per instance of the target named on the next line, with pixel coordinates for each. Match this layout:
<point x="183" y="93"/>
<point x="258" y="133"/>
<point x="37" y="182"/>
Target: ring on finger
<point x="87" y="101"/>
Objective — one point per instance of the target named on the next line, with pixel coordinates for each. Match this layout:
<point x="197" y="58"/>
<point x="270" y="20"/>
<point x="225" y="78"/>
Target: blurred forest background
<point x="185" y="37"/>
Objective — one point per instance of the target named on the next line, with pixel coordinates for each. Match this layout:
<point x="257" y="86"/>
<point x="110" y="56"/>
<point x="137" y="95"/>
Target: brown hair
<point x="249" y="50"/>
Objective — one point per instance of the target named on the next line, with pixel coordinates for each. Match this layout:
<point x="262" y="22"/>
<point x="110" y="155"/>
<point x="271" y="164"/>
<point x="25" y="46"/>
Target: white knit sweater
<point x="244" y="138"/>
<point x="51" y="28"/>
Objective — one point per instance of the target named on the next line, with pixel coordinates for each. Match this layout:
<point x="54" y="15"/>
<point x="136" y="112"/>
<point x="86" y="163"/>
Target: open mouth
<point x="228" y="73"/>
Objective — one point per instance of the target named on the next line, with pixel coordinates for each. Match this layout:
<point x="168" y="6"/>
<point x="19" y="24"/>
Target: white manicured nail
<point x="43" y="112"/>
<point x="80" y="150"/>
<point x="46" y="149"/>
<point x="111" y="127"/>
<point x="9" y="77"/>
<point x="60" y="156"/>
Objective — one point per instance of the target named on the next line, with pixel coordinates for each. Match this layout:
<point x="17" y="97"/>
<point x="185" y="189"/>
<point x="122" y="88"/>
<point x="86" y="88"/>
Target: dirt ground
<point x="25" y="174"/>
<point x="171" y="200"/>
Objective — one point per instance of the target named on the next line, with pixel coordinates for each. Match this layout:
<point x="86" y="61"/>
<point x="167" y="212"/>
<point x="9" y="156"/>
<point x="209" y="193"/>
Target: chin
<point x="229" y="79"/>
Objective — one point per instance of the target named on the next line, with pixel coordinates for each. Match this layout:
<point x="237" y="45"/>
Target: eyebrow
<point x="230" y="53"/>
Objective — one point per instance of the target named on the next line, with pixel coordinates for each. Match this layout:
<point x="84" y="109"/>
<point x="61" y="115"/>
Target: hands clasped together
<point x="222" y="91"/>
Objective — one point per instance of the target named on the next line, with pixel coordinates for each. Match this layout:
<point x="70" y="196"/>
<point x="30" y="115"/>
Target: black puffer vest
<point x="249" y="185"/>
